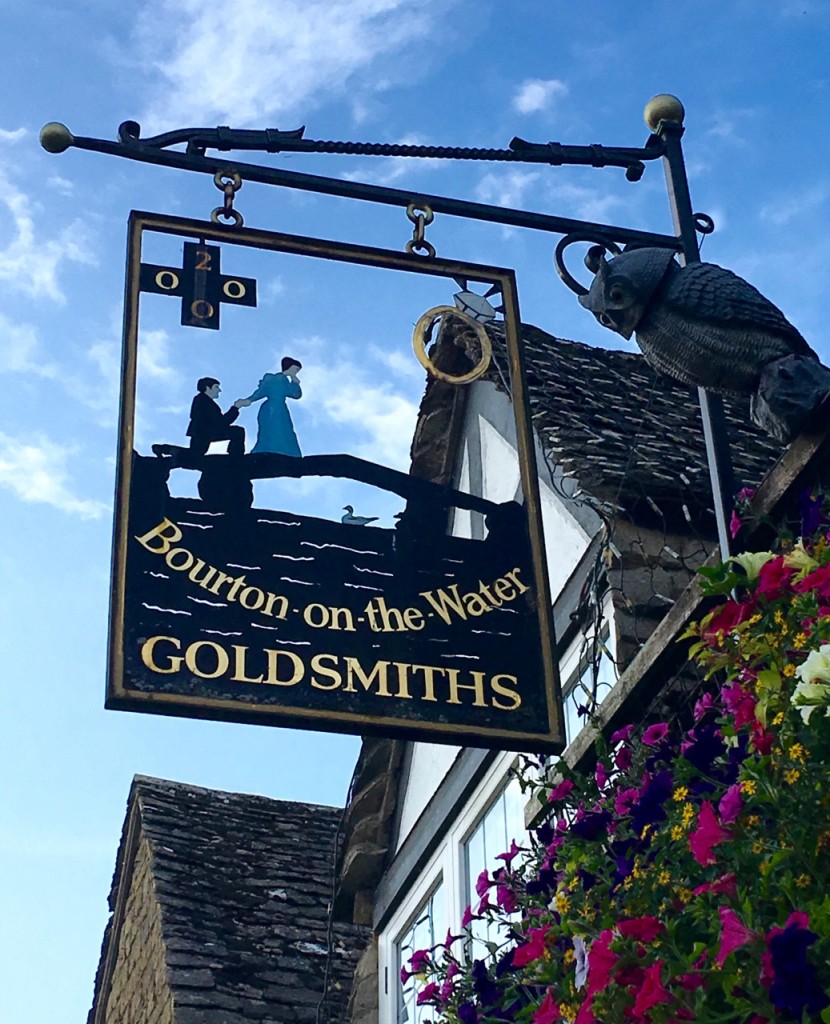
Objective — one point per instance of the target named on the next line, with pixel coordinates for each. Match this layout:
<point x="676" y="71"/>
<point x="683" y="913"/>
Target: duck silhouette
<point x="352" y="520"/>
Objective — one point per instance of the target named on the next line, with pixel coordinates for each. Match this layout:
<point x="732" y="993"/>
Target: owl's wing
<point x="707" y="293"/>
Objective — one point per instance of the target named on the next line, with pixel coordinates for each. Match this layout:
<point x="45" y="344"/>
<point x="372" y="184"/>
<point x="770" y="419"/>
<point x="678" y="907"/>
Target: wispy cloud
<point x="795" y="204"/>
<point x="29" y="263"/>
<point x="537" y="94"/>
<point x="15" y="135"/>
<point x="278" y="57"/>
<point x="20" y="351"/>
<point x="506" y="188"/>
<point x="387" y="170"/>
<point x="36" y="470"/>
<point x="380" y="419"/>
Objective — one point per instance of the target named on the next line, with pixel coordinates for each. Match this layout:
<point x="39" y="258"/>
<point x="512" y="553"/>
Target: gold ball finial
<point x="56" y="137"/>
<point x="663" y="107"/>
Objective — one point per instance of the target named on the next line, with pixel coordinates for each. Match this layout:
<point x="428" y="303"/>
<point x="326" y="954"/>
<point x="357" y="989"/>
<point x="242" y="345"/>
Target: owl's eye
<point x="616" y="294"/>
<point x="606" y="320"/>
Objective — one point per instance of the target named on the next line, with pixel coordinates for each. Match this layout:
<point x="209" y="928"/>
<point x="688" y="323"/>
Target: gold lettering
<point x="174" y="660"/>
<point x="172" y="555"/>
<point x="514" y="576"/>
<point x="222" y="577"/>
<point x="403" y="680"/>
<point x="193" y="575"/>
<point x="201" y="309"/>
<point x="330" y="672"/>
<point x="204" y="262"/>
<point x="167" y="275"/>
<point x="476" y="605"/>
<point x="336" y="614"/>
<point x="239" y="666"/>
<point x="273" y="668"/>
<point x="324" y="615"/>
<point x="414" y="619"/>
<point x="503" y="691"/>
<point x="504" y="589"/>
<point x="477" y="686"/>
<point x="354" y="669"/>
<point x="269" y="604"/>
<point x="446" y="602"/>
<point x="158" y="533"/>
<point x="222" y="660"/>
<point x="238" y="289"/>
<point x="259" y="598"/>
<point x="429" y="679"/>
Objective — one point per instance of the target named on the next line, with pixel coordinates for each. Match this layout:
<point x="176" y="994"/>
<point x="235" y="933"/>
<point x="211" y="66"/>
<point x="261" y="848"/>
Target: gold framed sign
<point x="240" y="589"/>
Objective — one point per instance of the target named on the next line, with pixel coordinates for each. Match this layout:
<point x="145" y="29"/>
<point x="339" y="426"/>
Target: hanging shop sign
<point x="261" y="573"/>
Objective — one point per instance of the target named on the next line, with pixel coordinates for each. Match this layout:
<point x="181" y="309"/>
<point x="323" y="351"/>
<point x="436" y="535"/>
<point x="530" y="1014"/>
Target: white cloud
<point x="20" y="350"/>
<point x="35" y="470"/>
<point x="505" y="188"/>
<point x="14" y="135"/>
<point x="794" y="205"/>
<point x="535" y="94"/>
<point x="383" y="420"/>
<point x="61" y="185"/>
<point x="277" y="57"/>
<point x="28" y="263"/>
<point x="153" y="355"/>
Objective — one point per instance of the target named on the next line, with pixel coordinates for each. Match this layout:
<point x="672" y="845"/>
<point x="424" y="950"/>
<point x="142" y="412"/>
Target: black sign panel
<point x="227" y="607"/>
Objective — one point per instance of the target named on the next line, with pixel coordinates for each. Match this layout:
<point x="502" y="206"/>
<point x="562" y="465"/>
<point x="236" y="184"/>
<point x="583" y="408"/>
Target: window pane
<point x="428" y="928"/>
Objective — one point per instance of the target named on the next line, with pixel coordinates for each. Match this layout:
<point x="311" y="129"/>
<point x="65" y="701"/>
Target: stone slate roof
<point x="628" y="434"/>
<point x="244" y="883"/>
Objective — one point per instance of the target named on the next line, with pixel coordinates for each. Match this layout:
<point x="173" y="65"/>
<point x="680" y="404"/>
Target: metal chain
<point x="230" y="183"/>
<point x="420" y="214"/>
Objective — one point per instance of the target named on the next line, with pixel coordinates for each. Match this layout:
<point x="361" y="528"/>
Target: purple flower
<point x="510" y="854"/>
<point x="467" y="1014"/>
<point x="809" y="508"/>
<point x="622" y="735"/>
<point x="653" y="794"/>
<point x="506" y="899"/>
<point x="730" y="804"/>
<point x="703" y="746"/>
<point x="735" y="524"/>
<point x="655" y="733"/>
<point x="483" y="883"/>
<point x="561" y="790"/>
<point x="592" y="825"/>
<point x="704" y="705"/>
<point x="623" y="758"/>
<point x="795" y="987"/>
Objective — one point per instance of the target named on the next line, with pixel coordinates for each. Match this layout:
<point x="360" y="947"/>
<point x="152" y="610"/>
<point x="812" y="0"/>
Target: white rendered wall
<point x="489" y="468"/>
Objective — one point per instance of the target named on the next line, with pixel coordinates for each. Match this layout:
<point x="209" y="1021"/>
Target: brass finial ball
<point x="55" y="137"/>
<point x="663" y="107"/>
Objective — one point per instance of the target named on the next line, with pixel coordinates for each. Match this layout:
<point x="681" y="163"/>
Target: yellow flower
<point x="752" y="821"/>
<point x="792" y="775"/>
<point x="800" y="639"/>
<point x="779" y="616"/>
<point x="685" y="895"/>
<point x="677" y="833"/>
<point x="569" y="957"/>
<point x="757" y="848"/>
<point x="754" y="620"/>
<point x="568" y="1011"/>
<point x="784" y="629"/>
<point x="680" y="794"/>
<point x="749" y="787"/>
<point x="779" y="718"/>
<point x="688" y="814"/>
<point x="563" y="904"/>
<point x="803" y="881"/>
<point x="789" y="671"/>
<point x="798" y="752"/>
<point x="664" y="877"/>
<point x="645" y="832"/>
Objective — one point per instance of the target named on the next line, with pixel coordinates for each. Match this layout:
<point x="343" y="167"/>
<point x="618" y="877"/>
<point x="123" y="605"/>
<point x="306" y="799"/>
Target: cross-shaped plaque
<point x="200" y="284"/>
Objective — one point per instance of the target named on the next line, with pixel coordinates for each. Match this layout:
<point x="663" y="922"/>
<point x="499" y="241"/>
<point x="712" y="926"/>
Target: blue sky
<point x="753" y="77"/>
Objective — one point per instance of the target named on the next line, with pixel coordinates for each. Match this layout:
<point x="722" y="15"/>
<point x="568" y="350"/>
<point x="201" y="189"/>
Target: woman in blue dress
<point x="275" y="431"/>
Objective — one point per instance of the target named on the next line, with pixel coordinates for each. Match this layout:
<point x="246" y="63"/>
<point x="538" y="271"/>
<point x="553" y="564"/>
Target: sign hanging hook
<point x="230" y="183"/>
<point x="420" y="214"/>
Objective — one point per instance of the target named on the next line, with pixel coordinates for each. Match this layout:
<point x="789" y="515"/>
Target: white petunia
<point x="751" y="561"/>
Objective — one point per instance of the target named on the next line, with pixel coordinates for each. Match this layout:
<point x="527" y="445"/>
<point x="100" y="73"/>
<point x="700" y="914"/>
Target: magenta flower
<point x="651" y="992"/>
<point x="419" y="961"/>
<point x="624" y="799"/>
<point x="427" y="994"/>
<point x="532" y="949"/>
<point x="643" y="929"/>
<point x="730" y="804"/>
<point x="483" y="883"/>
<point x="623" y="758"/>
<point x="740" y="703"/>
<point x="735" y="524"/>
<point x="706" y="703"/>
<point x="707" y="835"/>
<point x="548" y="1011"/>
<point x="506" y="899"/>
<point x="622" y="735"/>
<point x="655" y="733"/>
<point x="510" y="854"/>
<point x="561" y="790"/>
<point x="467" y="917"/>
<point x="601" y="962"/>
<point x="726" y="885"/>
<point x="733" y="935"/>
<point x="774" y="578"/>
<point x="601" y="775"/>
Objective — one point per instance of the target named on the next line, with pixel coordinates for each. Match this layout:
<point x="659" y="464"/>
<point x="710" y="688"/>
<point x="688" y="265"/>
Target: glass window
<point x="585" y="690"/>
<point x="428" y="928"/>
<point x="501" y="824"/>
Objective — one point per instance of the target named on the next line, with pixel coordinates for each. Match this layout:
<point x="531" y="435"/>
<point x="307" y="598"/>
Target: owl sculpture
<point x="705" y="326"/>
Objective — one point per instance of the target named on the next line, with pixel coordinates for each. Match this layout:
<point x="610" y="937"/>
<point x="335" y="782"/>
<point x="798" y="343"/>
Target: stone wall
<point x="140" y="991"/>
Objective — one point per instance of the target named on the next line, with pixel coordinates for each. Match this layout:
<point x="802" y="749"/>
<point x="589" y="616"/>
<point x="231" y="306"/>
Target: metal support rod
<point x="372" y="193"/>
<point x="715" y="430"/>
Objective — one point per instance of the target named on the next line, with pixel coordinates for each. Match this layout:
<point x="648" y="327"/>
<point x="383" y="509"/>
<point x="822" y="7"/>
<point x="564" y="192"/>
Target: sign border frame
<point x="120" y="697"/>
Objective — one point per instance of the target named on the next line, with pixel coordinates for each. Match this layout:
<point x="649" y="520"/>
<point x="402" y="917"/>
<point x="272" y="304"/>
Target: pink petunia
<point x="510" y="854"/>
<point x="643" y="929"/>
<point x="467" y="917"/>
<point x="706" y="703"/>
<point x="726" y="885"/>
<point x="483" y="883"/>
<point x="561" y="790"/>
<point x="733" y="935"/>
<point x="601" y="963"/>
<point x="774" y="578"/>
<point x="506" y="899"/>
<point x="624" y="799"/>
<point x="651" y="991"/>
<point x="707" y="835"/>
<point x="623" y="758"/>
<point x="548" y="1011"/>
<point x="740" y="703"/>
<point x="735" y="524"/>
<point x="601" y="775"/>
<point x="533" y="948"/>
<point x="730" y="804"/>
<point x="655" y="733"/>
<point x="427" y="994"/>
<point x="622" y="735"/>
